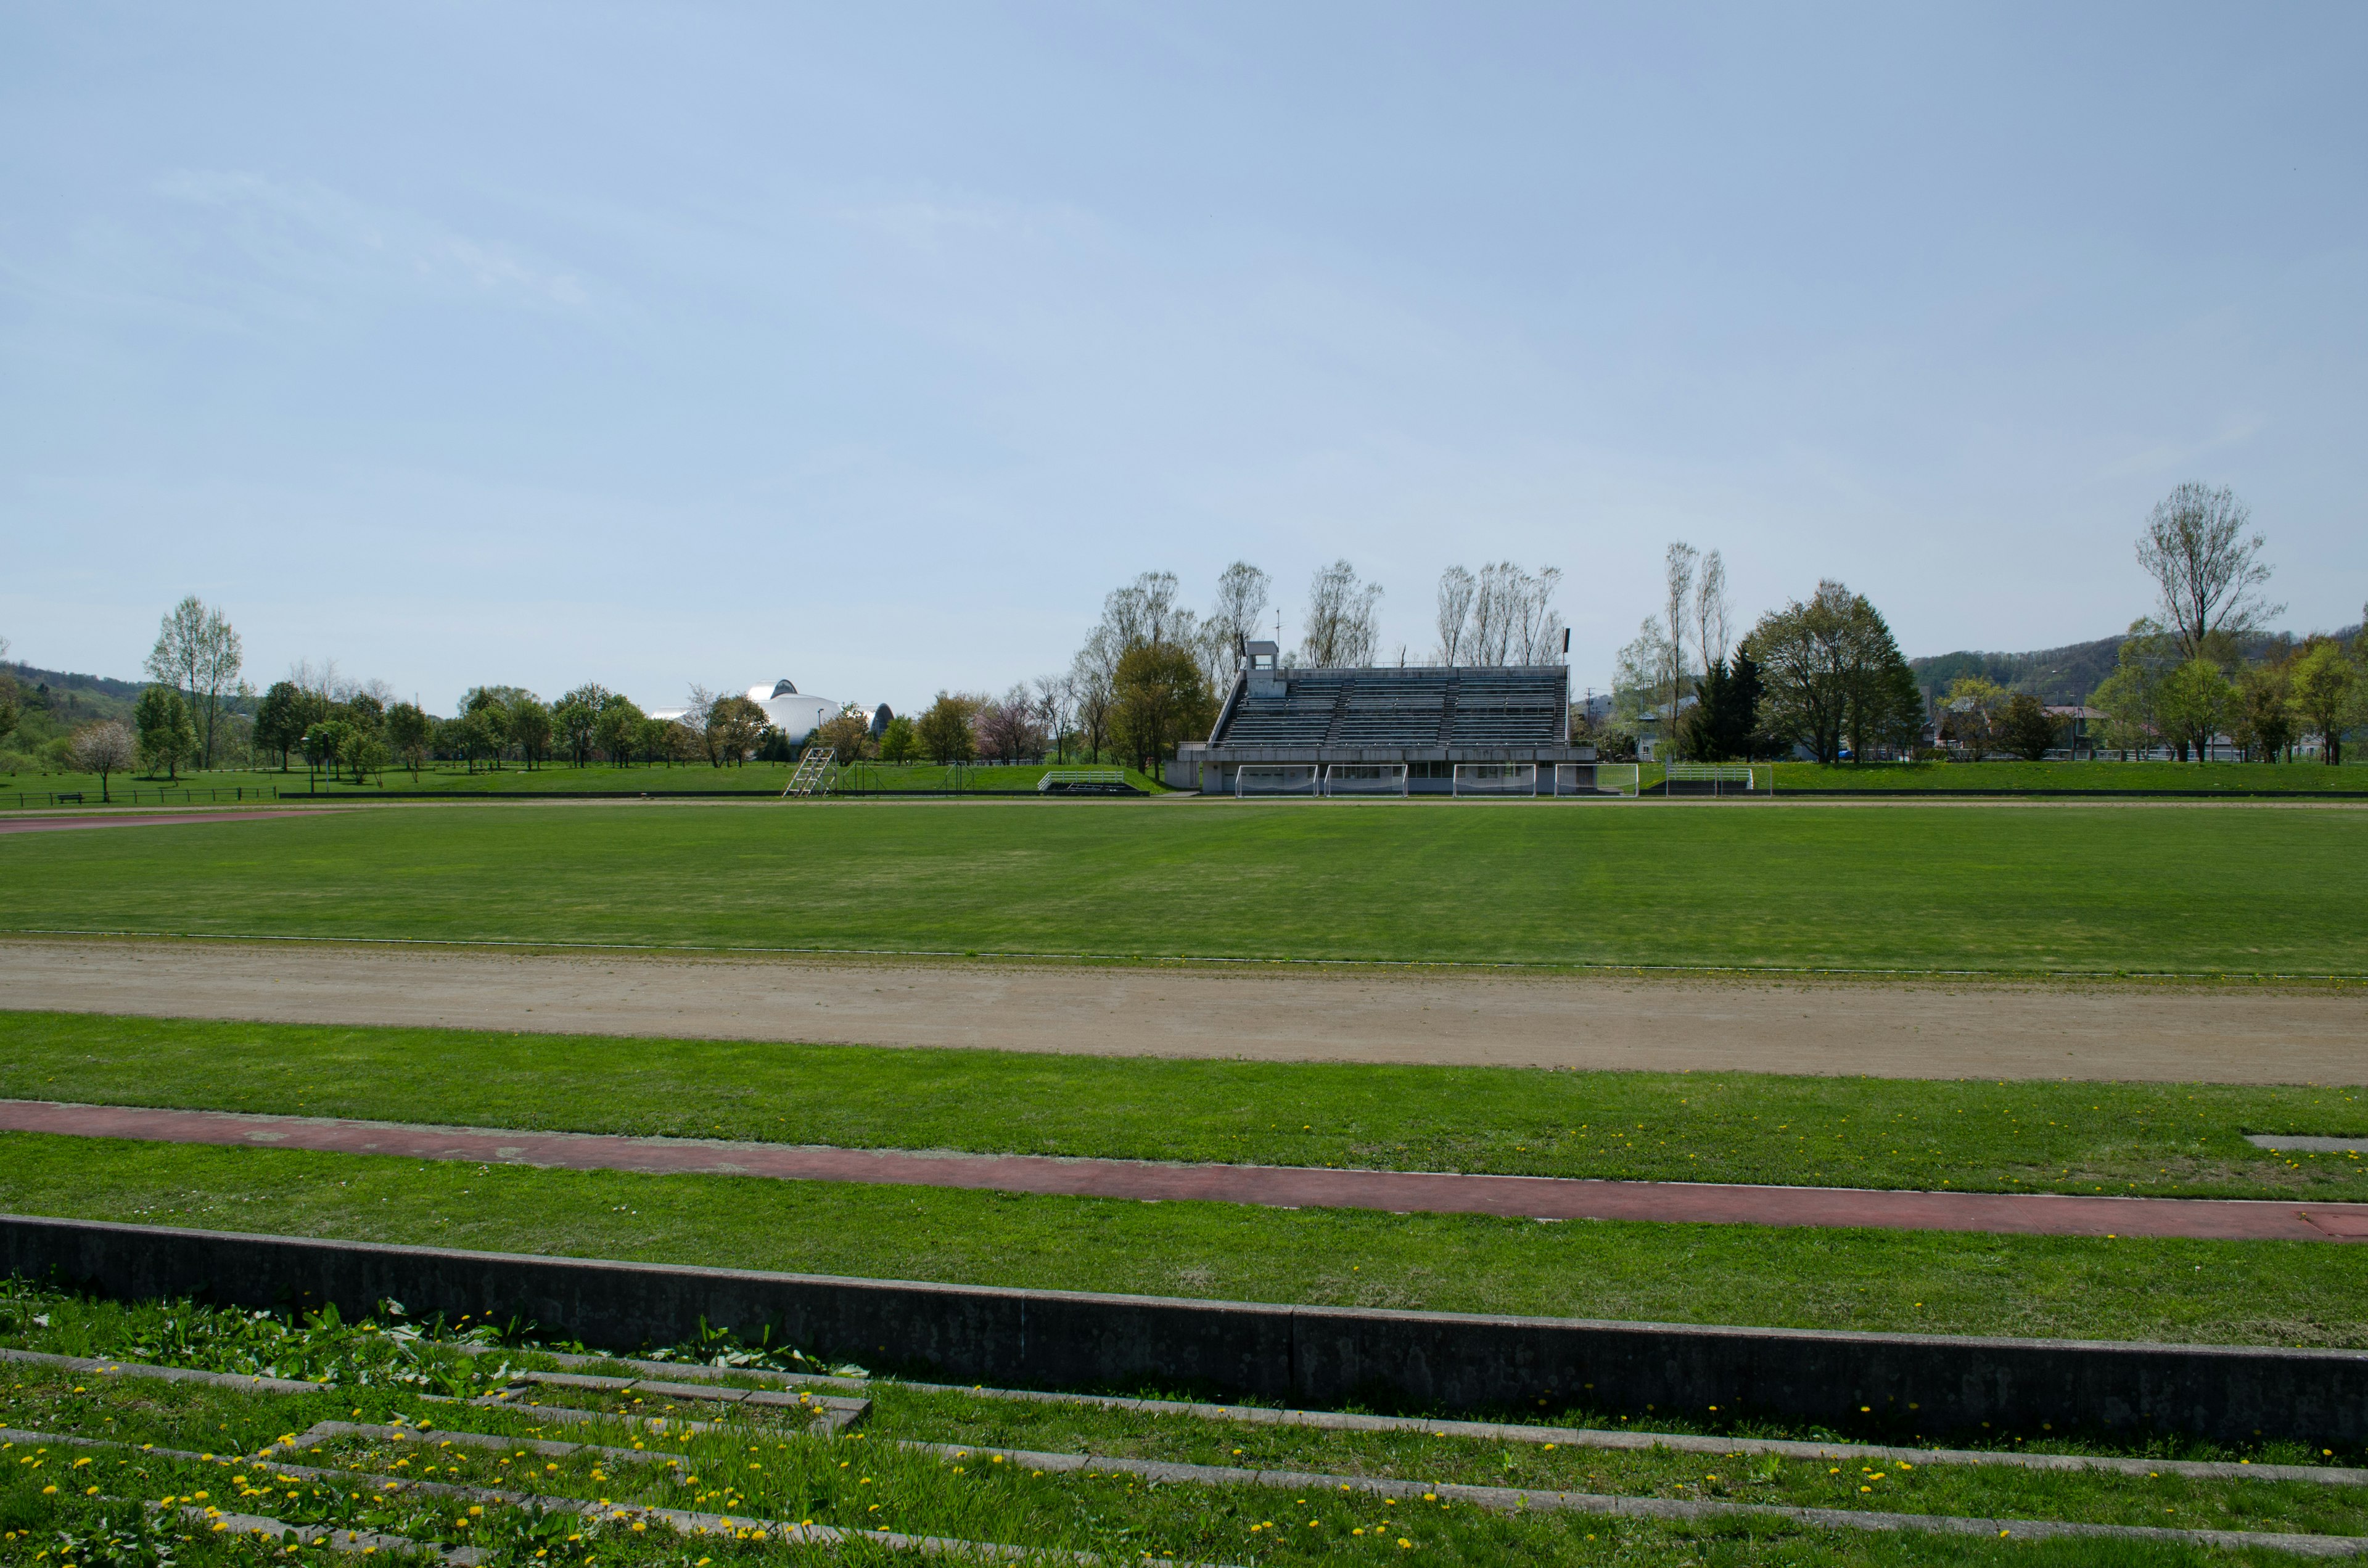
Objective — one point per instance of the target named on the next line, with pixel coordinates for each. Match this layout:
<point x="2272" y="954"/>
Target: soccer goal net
<point x="1609" y="778"/>
<point x="1365" y="779"/>
<point x="1495" y="779"/>
<point x="1280" y="778"/>
<point x="1707" y="779"/>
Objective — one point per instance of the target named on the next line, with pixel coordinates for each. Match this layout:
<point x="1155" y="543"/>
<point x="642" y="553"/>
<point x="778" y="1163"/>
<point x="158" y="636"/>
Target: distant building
<point x="1426" y="719"/>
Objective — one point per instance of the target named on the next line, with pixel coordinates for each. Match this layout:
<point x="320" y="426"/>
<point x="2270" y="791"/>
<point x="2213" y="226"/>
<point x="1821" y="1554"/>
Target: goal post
<point x="1712" y="778"/>
<point x="1495" y="779"/>
<point x="1365" y="779"/>
<point x="1613" y="780"/>
<point x="1277" y="778"/>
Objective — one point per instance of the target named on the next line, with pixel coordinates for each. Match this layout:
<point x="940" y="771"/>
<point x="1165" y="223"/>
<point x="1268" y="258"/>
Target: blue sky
<point x="870" y="344"/>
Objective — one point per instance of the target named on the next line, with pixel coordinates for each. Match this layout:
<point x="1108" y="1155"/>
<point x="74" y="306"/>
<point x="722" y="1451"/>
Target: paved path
<point x="1285" y="1186"/>
<point x="1922" y="1029"/>
<point x="61" y="825"/>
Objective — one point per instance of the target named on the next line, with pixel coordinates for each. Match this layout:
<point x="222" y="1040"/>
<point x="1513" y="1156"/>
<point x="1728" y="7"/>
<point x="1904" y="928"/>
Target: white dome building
<point x="795" y="715"/>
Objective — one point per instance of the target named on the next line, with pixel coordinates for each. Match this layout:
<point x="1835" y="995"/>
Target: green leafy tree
<point x="664" y="740"/>
<point x="1886" y="709"/>
<point x="366" y="754"/>
<point x="2026" y="728"/>
<point x="735" y="729"/>
<point x="575" y="720"/>
<point x="2127" y="700"/>
<point x="847" y="734"/>
<point x="1826" y="671"/>
<point x="323" y="742"/>
<point x="1163" y="697"/>
<point x="2265" y="723"/>
<point x="489" y="716"/>
<point x="10" y="711"/>
<point x="282" y="719"/>
<point x="616" y="729"/>
<point x="167" y="738"/>
<point x="197" y="651"/>
<point x="409" y="733"/>
<point x="2192" y="706"/>
<point x="944" y="729"/>
<point x="2326" y="692"/>
<point x="1719" y="726"/>
<point x="898" y="743"/>
<point x="530" y="728"/>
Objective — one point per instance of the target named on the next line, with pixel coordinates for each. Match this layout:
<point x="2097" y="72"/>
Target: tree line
<point x="1824" y="673"/>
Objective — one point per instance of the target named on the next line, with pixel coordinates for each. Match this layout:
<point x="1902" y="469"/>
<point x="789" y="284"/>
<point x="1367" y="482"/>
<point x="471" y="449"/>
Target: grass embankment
<point x="512" y="778"/>
<point x="2181" y="1140"/>
<point x="2232" y="1292"/>
<point x="763" y="1465"/>
<point x="2197" y="889"/>
<point x="2069" y="777"/>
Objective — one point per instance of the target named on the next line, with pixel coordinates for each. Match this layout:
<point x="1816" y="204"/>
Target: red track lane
<point x="1292" y="1187"/>
<point x="61" y="825"/>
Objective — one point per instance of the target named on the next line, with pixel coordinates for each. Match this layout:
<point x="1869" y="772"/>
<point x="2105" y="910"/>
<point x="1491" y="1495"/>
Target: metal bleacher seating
<point x="1415" y="708"/>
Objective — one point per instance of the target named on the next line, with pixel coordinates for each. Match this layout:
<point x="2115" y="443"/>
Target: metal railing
<point x="162" y="795"/>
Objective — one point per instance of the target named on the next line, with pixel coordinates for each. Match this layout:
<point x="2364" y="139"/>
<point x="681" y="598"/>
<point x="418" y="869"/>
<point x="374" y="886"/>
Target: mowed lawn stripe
<point x="2195" y="889"/>
<point x="2169" y="1140"/>
<point x="2217" y="1292"/>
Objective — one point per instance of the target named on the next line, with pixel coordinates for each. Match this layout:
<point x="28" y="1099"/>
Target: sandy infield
<point x="2237" y="1035"/>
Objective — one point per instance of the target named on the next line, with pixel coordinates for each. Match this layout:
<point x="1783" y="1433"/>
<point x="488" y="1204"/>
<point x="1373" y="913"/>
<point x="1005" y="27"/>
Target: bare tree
<point x="1680" y="565"/>
<point x="1241" y="602"/>
<point x="1504" y="616"/>
<point x="1093" y="689"/>
<point x="1455" y="591"/>
<point x="1711" y="612"/>
<point x="1539" y="623"/>
<point x="1342" y="630"/>
<point x="1492" y="613"/>
<point x="1145" y="612"/>
<point x="197" y="652"/>
<point x="2207" y="570"/>
<point x="1053" y="701"/>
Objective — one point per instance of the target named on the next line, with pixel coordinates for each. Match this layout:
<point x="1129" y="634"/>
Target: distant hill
<point x="2053" y="675"/>
<point x="2067" y="674"/>
<point x="75" y="698"/>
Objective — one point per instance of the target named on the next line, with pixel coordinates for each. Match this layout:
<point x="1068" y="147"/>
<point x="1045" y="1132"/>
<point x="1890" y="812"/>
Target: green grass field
<point x="2183" y="1139"/>
<point x="2015" y="889"/>
<point x="2232" y="777"/>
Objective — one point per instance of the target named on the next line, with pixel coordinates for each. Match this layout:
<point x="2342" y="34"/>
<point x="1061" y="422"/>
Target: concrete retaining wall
<point x="1304" y="1356"/>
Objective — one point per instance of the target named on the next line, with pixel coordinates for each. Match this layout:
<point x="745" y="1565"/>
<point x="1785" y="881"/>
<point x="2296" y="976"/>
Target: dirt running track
<point x="1290" y="1187"/>
<point x="2235" y="1035"/>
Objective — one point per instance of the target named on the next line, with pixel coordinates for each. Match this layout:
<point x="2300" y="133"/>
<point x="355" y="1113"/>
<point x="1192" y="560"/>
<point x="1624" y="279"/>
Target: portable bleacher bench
<point x="1085" y="781"/>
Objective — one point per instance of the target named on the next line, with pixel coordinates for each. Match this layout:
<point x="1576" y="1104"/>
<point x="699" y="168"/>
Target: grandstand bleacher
<point x="1428" y="719"/>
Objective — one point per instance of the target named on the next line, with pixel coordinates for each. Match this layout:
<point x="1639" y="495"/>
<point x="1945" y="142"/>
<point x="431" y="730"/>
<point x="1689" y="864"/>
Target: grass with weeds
<point x="2199" y="889"/>
<point x="866" y="1480"/>
<point x="2295" y="1294"/>
<point x="2184" y="1140"/>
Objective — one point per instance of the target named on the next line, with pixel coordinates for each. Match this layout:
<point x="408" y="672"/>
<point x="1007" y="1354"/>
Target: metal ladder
<point x="817" y="771"/>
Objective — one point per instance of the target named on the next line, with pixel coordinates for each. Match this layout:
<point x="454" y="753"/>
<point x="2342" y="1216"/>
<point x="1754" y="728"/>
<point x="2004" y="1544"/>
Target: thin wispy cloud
<point x="305" y="230"/>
